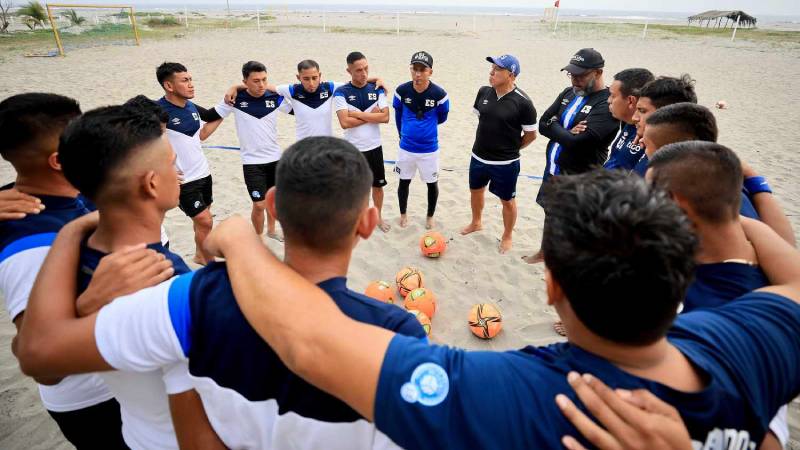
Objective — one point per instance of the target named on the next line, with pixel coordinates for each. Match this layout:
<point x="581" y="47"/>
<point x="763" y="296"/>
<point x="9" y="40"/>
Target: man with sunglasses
<point x="578" y="123"/>
<point x="420" y="107"/>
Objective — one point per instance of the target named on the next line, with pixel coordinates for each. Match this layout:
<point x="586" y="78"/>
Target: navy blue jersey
<point x="221" y="345"/>
<point x="184" y="120"/>
<point x="418" y="115"/>
<point x="90" y="259"/>
<point x="718" y="283"/>
<point x="433" y="397"/>
<point x="624" y="153"/>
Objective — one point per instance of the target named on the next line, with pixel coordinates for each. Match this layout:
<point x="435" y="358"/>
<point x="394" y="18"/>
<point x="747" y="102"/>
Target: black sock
<point x="402" y="195"/>
<point x="433" y="196"/>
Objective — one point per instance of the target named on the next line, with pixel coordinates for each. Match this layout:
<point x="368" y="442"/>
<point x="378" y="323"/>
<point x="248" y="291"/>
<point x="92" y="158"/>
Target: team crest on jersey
<point x="197" y="204"/>
<point x="195" y="116"/>
<point x="243" y="104"/>
<point x="256" y="194"/>
<point x="429" y="385"/>
<point x="586" y="109"/>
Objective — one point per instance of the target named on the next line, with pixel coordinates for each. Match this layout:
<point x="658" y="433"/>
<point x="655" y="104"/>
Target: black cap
<point x="423" y="58"/>
<point x="584" y="60"/>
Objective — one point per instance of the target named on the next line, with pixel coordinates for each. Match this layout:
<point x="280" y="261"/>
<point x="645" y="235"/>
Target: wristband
<point x="756" y="185"/>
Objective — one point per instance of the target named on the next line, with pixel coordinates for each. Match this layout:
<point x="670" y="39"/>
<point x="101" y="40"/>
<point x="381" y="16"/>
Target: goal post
<point x="54" y="24"/>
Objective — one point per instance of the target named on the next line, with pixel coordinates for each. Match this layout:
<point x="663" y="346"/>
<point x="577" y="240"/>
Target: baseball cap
<point x="584" y="60"/>
<point x="422" y="57"/>
<point x="508" y="62"/>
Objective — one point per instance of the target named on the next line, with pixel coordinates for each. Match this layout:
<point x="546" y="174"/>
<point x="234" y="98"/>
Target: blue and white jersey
<point x="312" y="110"/>
<point x="256" y="125"/>
<point x="718" y="283"/>
<point x="418" y="115"/>
<point x="640" y="168"/>
<point x="251" y="399"/>
<point x="367" y="136"/>
<point x="24" y="244"/>
<point x="183" y="132"/>
<point x="624" y="153"/>
<point x="142" y="397"/>
<point x="434" y="397"/>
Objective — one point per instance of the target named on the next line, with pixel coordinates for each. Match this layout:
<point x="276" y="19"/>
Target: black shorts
<point x="375" y="161"/>
<point x="501" y="178"/>
<point x="259" y="178"/>
<point x="97" y="426"/>
<point x="196" y="196"/>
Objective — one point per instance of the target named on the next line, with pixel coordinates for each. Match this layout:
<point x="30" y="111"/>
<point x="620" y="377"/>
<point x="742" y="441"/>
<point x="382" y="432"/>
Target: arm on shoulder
<point x="779" y="260"/>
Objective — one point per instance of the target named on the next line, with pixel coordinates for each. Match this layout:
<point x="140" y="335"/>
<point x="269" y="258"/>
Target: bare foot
<point x="403" y="220"/>
<point x="199" y="260"/>
<point x="275" y="235"/>
<point x="534" y="259"/>
<point x="472" y="227"/>
<point x="429" y="223"/>
<point x="505" y="245"/>
<point x="559" y="328"/>
<point x="383" y="226"/>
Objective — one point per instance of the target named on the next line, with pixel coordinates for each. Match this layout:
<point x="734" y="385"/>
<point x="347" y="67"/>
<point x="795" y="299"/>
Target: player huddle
<point x="686" y="310"/>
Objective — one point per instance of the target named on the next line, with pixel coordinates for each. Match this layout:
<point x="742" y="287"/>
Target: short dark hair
<point x="708" y="175"/>
<point x="621" y="251"/>
<point x="307" y="64"/>
<point x="632" y="80"/>
<point x="102" y="140"/>
<point x="167" y="70"/>
<point x="321" y="184"/>
<point x="665" y="91"/>
<point x="24" y="118"/>
<point x="149" y="107"/>
<point x="355" y="56"/>
<point x="692" y="119"/>
<point x="252" y="66"/>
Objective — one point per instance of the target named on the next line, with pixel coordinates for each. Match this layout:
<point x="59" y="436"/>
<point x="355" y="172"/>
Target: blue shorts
<point x="502" y="179"/>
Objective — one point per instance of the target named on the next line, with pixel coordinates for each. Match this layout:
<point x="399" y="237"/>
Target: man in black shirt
<point x="578" y="123"/>
<point x="506" y="124"/>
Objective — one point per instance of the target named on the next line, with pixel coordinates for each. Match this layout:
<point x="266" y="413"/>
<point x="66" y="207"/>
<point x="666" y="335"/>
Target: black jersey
<point x="501" y="122"/>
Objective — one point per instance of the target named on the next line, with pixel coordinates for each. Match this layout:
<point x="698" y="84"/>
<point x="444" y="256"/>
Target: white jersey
<point x="24" y="245"/>
<point x="367" y="136"/>
<point x="196" y="315"/>
<point x="183" y="132"/>
<point x="256" y="125"/>
<point x="312" y="110"/>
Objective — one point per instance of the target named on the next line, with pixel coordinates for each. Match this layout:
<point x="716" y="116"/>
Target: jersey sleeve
<point x="176" y="378"/>
<point x="142" y="331"/>
<point x="397" y="104"/>
<point x="443" y="108"/>
<point x="382" y="102"/>
<point x="18" y="273"/>
<point x="336" y="85"/>
<point x="208" y="115"/>
<point x="528" y="117"/>
<point x="434" y="397"/>
<point x="477" y="100"/>
<point x="408" y="325"/>
<point x="285" y="106"/>
<point x="339" y="102"/>
<point x="756" y="339"/>
<point x="223" y="109"/>
<point x="284" y="90"/>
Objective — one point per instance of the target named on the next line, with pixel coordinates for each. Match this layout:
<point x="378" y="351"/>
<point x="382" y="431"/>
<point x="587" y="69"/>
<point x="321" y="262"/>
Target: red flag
<point x="557" y="3"/>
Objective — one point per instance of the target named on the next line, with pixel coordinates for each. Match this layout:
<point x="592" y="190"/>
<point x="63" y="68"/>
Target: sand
<point x="754" y="78"/>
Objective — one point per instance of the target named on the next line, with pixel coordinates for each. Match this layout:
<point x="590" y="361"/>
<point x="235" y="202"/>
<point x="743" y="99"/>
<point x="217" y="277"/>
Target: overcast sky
<point x="772" y="7"/>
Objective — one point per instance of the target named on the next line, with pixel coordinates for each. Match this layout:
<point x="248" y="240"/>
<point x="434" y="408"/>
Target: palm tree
<point x="73" y="17"/>
<point x="35" y="12"/>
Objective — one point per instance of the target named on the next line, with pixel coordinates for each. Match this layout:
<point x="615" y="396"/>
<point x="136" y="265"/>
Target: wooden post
<point x="55" y="30"/>
<point x="555" y="27"/>
<point x="258" y="19"/>
<point x="644" y="32"/>
<point x="324" y="22"/>
<point x="398" y="23"/>
<point x="735" y="27"/>
<point x="474" y="22"/>
<point x="186" y="16"/>
<point x="135" y="29"/>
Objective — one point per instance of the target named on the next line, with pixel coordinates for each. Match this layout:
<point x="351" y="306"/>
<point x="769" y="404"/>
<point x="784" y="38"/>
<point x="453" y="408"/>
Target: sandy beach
<point x="753" y="77"/>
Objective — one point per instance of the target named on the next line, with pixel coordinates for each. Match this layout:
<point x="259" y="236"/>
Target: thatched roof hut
<point x="714" y="16"/>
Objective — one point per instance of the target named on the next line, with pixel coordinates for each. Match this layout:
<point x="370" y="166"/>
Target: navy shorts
<point x="259" y="178"/>
<point x="196" y="196"/>
<point x="502" y="179"/>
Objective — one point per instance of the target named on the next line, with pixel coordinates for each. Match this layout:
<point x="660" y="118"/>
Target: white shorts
<point x="780" y="427"/>
<point x="427" y="163"/>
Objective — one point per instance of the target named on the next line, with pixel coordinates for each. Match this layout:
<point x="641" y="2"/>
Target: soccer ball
<point x="380" y="290"/>
<point x="408" y="279"/>
<point x="432" y="244"/>
<point x="421" y="299"/>
<point x="485" y="320"/>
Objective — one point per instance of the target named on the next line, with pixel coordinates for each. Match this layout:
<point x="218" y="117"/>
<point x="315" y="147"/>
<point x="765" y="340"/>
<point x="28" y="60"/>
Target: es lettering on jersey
<point x="256" y="125"/>
<point x="183" y="132"/>
<point x="312" y="110"/>
<point x="418" y="115"/>
<point x="367" y="136"/>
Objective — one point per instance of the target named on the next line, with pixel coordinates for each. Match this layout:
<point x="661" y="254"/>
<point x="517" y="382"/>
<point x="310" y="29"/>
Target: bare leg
<point x="536" y="258"/>
<point x="377" y="200"/>
<point x="476" y="202"/>
<point x="202" y="226"/>
<point x="257" y="216"/>
<point x="509" y="219"/>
